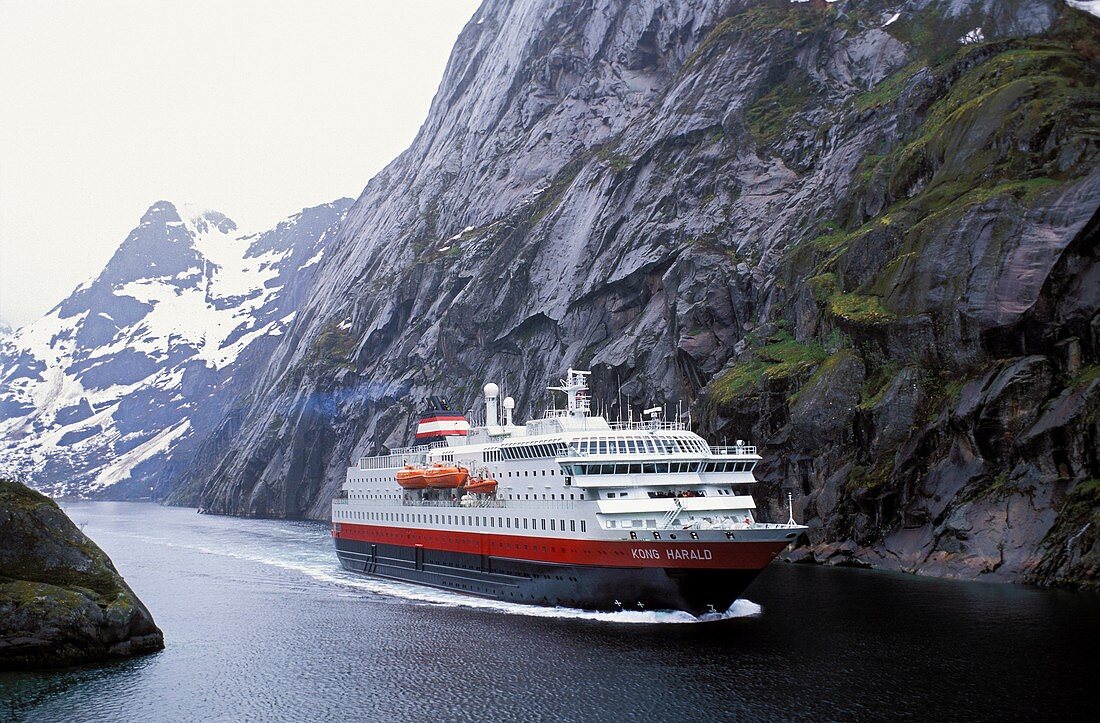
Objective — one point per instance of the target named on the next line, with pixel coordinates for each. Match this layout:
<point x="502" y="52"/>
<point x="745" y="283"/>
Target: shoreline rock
<point x="62" y="602"/>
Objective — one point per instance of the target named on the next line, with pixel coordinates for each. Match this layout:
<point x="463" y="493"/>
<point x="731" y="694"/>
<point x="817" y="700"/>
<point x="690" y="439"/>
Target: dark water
<point x="261" y="624"/>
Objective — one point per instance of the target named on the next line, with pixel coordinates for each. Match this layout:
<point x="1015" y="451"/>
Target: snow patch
<point x="974" y="36"/>
<point x="122" y="466"/>
<point x="313" y="259"/>
<point x="1089" y="6"/>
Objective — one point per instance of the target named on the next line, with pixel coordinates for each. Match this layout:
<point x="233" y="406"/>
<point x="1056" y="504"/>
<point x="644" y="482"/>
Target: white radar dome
<point x="491" y="390"/>
<point x="509" y="403"/>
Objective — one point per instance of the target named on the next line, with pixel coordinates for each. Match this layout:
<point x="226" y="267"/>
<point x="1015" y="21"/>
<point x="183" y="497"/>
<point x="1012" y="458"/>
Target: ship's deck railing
<point x="736" y="450"/>
<point x="645" y="425"/>
<point x="495" y="502"/>
<point x="454" y="503"/>
<point x="415" y="454"/>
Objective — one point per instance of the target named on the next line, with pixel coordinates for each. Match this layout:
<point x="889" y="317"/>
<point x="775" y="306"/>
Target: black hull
<point x="587" y="587"/>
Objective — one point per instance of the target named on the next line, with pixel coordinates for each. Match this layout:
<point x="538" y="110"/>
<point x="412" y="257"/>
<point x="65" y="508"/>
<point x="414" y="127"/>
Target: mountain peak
<point x="161" y="212"/>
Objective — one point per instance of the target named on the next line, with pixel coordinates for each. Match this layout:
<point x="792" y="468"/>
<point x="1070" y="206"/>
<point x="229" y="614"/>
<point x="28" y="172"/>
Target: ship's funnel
<point x="438" y="423"/>
<point x="491" y="391"/>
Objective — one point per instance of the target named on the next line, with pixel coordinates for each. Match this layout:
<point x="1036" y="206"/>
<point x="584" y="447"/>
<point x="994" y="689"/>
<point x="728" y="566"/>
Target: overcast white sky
<point x="254" y="107"/>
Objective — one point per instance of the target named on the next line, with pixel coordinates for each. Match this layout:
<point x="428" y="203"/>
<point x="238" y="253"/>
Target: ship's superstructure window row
<point x="648" y="444"/>
<point x="534" y="451"/>
<point x="657" y="467"/>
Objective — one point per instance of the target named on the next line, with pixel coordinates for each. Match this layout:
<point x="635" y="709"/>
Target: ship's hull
<point x="695" y="584"/>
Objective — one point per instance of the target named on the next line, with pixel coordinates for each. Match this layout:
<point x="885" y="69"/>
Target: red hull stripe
<point x="443" y="418"/>
<point x="723" y="555"/>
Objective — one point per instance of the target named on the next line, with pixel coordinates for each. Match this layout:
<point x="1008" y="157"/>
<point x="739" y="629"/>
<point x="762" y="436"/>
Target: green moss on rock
<point x="61" y="600"/>
<point x="860" y="309"/>
<point x="778" y="357"/>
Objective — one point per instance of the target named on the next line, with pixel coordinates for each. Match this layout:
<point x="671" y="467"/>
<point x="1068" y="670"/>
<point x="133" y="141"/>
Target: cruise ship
<point x="568" y="510"/>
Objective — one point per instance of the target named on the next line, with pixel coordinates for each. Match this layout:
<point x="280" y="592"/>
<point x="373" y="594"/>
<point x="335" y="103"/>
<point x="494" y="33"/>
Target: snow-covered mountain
<point x="106" y="393"/>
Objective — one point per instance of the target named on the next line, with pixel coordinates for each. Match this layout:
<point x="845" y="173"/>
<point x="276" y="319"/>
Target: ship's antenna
<point x="619" y="399"/>
<point x="790" y="506"/>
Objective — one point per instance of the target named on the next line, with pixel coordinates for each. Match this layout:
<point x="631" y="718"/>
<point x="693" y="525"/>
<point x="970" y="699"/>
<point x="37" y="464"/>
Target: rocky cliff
<point x="61" y="600"/>
<point x="107" y="394"/>
<point x="860" y="233"/>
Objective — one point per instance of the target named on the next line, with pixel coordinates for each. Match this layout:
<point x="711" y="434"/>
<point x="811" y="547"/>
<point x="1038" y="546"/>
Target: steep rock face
<point x="61" y="600"/>
<point x="106" y="394"/>
<point x="860" y="233"/>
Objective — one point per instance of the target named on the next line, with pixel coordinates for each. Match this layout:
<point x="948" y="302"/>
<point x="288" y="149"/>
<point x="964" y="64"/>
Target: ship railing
<point x="735" y="450"/>
<point x="454" y="503"/>
<point x="771" y="526"/>
<point x="648" y="425"/>
<point x="495" y="503"/>
<point x="340" y="500"/>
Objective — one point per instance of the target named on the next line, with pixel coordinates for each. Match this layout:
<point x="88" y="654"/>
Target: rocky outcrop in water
<point x="861" y="234"/>
<point x="61" y="600"/>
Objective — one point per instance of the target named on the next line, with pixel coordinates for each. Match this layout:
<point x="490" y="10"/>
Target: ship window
<point x="551" y="525"/>
<point x="583" y="526"/>
<point x="562" y="527"/>
<point x="630" y="445"/>
<point x="649" y="468"/>
<point x="610" y="495"/>
<point x="751" y="466"/>
<point x="603" y="446"/>
<point x="525" y="523"/>
<point x="572" y="525"/>
<point x="570" y="495"/>
<point x="608" y="469"/>
<point x="635" y="468"/>
<point x="656" y="535"/>
<point x="544" y="523"/>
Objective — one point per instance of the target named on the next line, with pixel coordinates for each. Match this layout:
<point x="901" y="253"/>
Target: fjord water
<point x="261" y="624"/>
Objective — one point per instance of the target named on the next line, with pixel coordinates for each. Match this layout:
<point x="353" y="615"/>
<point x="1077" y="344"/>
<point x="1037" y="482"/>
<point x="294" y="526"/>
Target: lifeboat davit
<point x="445" y="477"/>
<point x="481" y="485"/>
<point x="412" y="477"/>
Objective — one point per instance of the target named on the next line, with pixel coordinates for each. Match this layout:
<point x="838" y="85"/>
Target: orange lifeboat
<point x="445" y="477"/>
<point x="481" y="485"/>
<point x="412" y="477"/>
